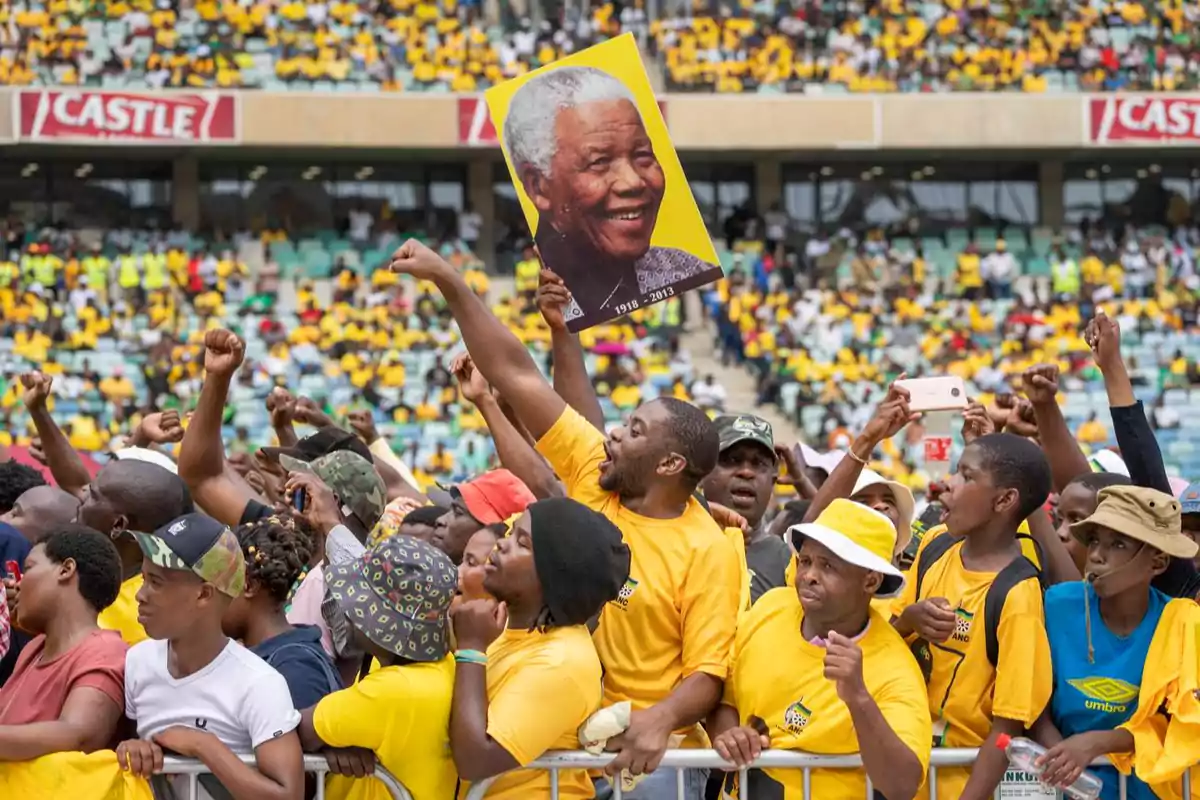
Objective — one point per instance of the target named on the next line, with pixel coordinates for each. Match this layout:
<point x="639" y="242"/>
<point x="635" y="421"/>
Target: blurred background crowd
<point x="467" y="45"/>
<point x="819" y="331"/>
<point x="850" y="273"/>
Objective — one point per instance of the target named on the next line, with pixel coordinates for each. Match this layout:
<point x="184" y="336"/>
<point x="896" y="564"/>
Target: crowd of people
<point x="630" y="592"/>
<point x="119" y="324"/>
<point x="422" y="45"/>
<point x="825" y="330"/>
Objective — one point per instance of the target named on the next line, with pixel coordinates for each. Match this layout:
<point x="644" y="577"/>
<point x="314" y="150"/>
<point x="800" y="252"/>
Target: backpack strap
<point x="1019" y="570"/>
<point x="932" y="553"/>
<point x="1037" y="549"/>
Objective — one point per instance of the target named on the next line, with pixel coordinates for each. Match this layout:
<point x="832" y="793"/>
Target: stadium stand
<point x="425" y="45"/>
<point x="118" y="324"/>
<point x="825" y="340"/>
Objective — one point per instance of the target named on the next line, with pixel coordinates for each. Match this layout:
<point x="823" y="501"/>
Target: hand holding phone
<point x="946" y="393"/>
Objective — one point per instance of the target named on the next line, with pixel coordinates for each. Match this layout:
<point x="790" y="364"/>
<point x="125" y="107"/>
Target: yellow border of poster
<point x="679" y="224"/>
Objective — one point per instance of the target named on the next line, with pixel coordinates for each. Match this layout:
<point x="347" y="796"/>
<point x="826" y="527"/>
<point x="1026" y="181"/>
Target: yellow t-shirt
<point x="677" y="613"/>
<point x="779" y="676"/>
<point x="964" y="690"/>
<point x="970" y="274"/>
<point x="121" y="616"/>
<point x="402" y="713"/>
<point x="541" y="687"/>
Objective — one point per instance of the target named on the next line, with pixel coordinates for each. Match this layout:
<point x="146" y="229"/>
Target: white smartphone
<point x="935" y="394"/>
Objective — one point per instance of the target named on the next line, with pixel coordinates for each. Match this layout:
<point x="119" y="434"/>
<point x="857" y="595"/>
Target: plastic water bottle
<point x="1023" y="755"/>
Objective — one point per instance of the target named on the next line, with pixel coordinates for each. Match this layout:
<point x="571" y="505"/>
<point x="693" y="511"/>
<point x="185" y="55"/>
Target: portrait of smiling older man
<point x="580" y="149"/>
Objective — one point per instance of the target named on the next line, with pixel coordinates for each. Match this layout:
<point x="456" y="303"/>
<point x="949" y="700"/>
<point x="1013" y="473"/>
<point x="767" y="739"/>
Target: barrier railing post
<point x="682" y="760"/>
<point x="314" y="764"/>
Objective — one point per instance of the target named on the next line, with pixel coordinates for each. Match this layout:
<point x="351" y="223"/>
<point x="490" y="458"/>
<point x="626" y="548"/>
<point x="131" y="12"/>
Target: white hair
<point x="529" y="127"/>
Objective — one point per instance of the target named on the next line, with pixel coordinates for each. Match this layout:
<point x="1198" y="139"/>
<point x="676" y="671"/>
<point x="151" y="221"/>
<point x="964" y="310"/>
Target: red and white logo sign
<point x="1144" y="120"/>
<point x="166" y="118"/>
<point x="937" y="448"/>
<point x="475" y="122"/>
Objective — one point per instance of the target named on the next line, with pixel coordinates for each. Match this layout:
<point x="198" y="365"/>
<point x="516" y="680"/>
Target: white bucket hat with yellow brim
<point x="857" y="535"/>
<point x="1145" y="515"/>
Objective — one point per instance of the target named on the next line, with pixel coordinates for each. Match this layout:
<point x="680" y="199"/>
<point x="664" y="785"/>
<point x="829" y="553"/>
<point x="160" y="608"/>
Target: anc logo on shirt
<point x="626" y="593"/>
<point x="963" y="620"/>
<point x="796" y="717"/>
<point x="1109" y="695"/>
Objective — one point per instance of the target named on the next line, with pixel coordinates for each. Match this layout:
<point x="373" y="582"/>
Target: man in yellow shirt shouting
<point x="539" y="679"/>
<point x="665" y="641"/>
<point x="817" y="669"/>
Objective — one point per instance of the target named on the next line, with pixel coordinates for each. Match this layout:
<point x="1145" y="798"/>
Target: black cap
<point x="581" y="560"/>
<point x="326" y="440"/>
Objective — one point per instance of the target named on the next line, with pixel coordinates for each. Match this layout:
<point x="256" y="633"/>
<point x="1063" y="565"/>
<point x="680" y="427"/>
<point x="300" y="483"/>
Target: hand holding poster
<point x="601" y="184"/>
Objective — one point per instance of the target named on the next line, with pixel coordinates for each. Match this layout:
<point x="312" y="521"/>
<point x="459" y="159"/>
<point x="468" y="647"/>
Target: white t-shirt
<point x="238" y="697"/>
<point x="360" y="224"/>
<point x="469" y="223"/>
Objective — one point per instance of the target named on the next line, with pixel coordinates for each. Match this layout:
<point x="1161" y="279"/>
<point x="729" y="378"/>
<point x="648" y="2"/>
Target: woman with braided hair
<point x="278" y="550"/>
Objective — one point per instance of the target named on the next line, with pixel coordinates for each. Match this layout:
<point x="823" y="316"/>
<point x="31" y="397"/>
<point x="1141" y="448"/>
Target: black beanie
<point x="581" y="560"/>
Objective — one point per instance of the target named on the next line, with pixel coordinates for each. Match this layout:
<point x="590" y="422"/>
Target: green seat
<point x="317" y="264"/>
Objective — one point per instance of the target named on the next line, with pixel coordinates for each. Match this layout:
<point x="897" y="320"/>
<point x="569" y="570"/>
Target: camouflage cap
<point x="199" y="544"/>
<point x="734" y="428"/>
<point x="351" y="477"/>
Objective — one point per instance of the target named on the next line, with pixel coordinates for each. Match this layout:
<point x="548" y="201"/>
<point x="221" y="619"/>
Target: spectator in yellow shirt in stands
<point x="1092" y="431"/>
<point x="969" y="274"/>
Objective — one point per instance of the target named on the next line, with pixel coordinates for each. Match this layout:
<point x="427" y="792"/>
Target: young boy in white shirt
<point x="192" y="690"/>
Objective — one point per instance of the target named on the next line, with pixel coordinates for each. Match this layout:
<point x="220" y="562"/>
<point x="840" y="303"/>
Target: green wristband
<point x="470" y="657"/>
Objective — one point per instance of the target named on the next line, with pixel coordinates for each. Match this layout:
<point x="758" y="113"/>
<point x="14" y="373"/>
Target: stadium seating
<point x="446" y="45"/>
<point x="824" y="354"/>
<point x="401" y="322"/>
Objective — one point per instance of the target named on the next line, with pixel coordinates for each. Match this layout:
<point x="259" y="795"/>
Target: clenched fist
<point x="414" y="258"/>
<point x="37" y="390"/>
<point x="223" y="352"/>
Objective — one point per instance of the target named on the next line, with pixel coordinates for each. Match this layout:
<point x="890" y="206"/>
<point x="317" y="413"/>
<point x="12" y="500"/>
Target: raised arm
<point x="396" y="476"/>
<point x="571" y="380"/>
<point x="516" y="454"/>
<point x="889" y="419"/>
<point x="64" y="463"/>
<point x="214" y="483"/>
<point x="282" y="407"/>
<point x="1139" y="447"/>
<point x="1067" y="461"/>
<point x="500" y="356"/>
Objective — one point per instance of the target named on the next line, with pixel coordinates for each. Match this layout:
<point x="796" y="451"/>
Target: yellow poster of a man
<point x="600" y="182"/>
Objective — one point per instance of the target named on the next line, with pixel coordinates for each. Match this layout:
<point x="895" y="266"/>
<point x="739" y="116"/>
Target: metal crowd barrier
<point x="313" y="764"/>
<point x="679" y="760"/>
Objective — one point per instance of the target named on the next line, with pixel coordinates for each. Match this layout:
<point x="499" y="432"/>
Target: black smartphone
<point x="298" y="499"/>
